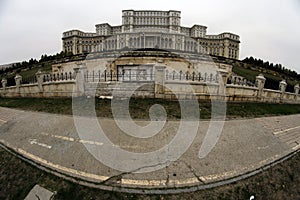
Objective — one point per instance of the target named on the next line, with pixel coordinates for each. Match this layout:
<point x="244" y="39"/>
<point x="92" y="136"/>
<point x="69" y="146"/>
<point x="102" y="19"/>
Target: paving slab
<point x="39" y="193"/>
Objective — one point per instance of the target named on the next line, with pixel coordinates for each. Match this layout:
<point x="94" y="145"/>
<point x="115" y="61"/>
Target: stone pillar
<point x="282" y="87"/>
<point x="4" y="83"/>
<point x="159" y="78"/>
<point x="222" y="83"/>
<point x="18" y="80"/>
<point x="296" y="88"/>
<point x="260" y="83"/>
<point x="40" y="79"/>
<point x="79" y="80"/>
<point x="83" y="70"/>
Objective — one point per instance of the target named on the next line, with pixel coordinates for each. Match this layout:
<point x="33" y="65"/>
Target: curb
<point x="167" y="190"/>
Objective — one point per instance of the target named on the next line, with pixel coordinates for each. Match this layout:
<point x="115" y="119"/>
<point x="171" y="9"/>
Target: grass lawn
<point x="139" y="108"/>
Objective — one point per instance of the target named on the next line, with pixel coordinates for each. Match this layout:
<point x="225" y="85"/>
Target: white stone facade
<point x="151" y="29"/>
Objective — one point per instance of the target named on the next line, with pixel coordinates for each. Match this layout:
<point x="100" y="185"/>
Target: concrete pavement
<point x="245" y="146"/>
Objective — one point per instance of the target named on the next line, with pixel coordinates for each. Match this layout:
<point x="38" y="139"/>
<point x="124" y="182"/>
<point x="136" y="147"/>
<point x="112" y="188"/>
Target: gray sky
<point x="269" y="29"/>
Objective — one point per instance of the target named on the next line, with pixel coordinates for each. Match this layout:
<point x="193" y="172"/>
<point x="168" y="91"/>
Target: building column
<point x="80" y="47"/>
<point x="74" y="50"/>
<point x="118" y="42"/>
<point x="173" y="44"/>
<point x="182" y="43"/>
<point x="226" y="48"/>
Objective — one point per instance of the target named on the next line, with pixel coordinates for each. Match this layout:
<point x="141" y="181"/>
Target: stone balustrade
<point x="160" y="84"/>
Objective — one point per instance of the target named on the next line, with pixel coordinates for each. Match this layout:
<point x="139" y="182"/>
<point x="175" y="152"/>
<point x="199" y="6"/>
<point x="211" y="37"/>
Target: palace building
<point x="148" y="29"/>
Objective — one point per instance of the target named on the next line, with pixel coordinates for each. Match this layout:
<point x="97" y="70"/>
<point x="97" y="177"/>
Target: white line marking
<point x="91" y="142"/>
<point x="286" y="130"/>
<point x="33" y="141"/>
<point x="70" y="139"/>
<point x="3" y="120"/>
<point x="264" y="147"/>
<point x="296" y="147"/>
<point x="59" y="137"/>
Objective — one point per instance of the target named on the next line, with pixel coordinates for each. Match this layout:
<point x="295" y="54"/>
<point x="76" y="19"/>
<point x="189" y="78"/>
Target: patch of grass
<point x="139" y="108"/>
<point x="31" y="72"/>
<point x="260" y="109"/>
<point x="249" y="74"/>
<point x="272" y="78"/>
<point x="58" y="106"/>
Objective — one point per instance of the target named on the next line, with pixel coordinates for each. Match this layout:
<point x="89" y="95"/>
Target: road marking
<point x="71" y="139"/>
<point x="264" y="147"/>
<point x="296" y="147"/>
<point x="3" y="120"/>
<point x="59" y="137"/>
<point x="55" y="166"/>
<point x="91" y="142"/>
<point x="286" y="130"/>
<point x="34" y="141"/>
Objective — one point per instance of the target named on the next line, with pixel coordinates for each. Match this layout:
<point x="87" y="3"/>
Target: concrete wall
<point x="109" y="61"/>
<point x="50" y="89"/>
<point x="121" y="89"/>
<point x="190" y="90"/>
<point x="241" y="93"/>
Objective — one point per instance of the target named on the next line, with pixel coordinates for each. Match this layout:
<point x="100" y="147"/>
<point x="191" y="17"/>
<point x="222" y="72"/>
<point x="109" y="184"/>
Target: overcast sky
<point x="269" y="29"/>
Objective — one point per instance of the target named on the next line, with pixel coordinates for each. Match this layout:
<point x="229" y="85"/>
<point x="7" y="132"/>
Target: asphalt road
<point x="116" y="159"/>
